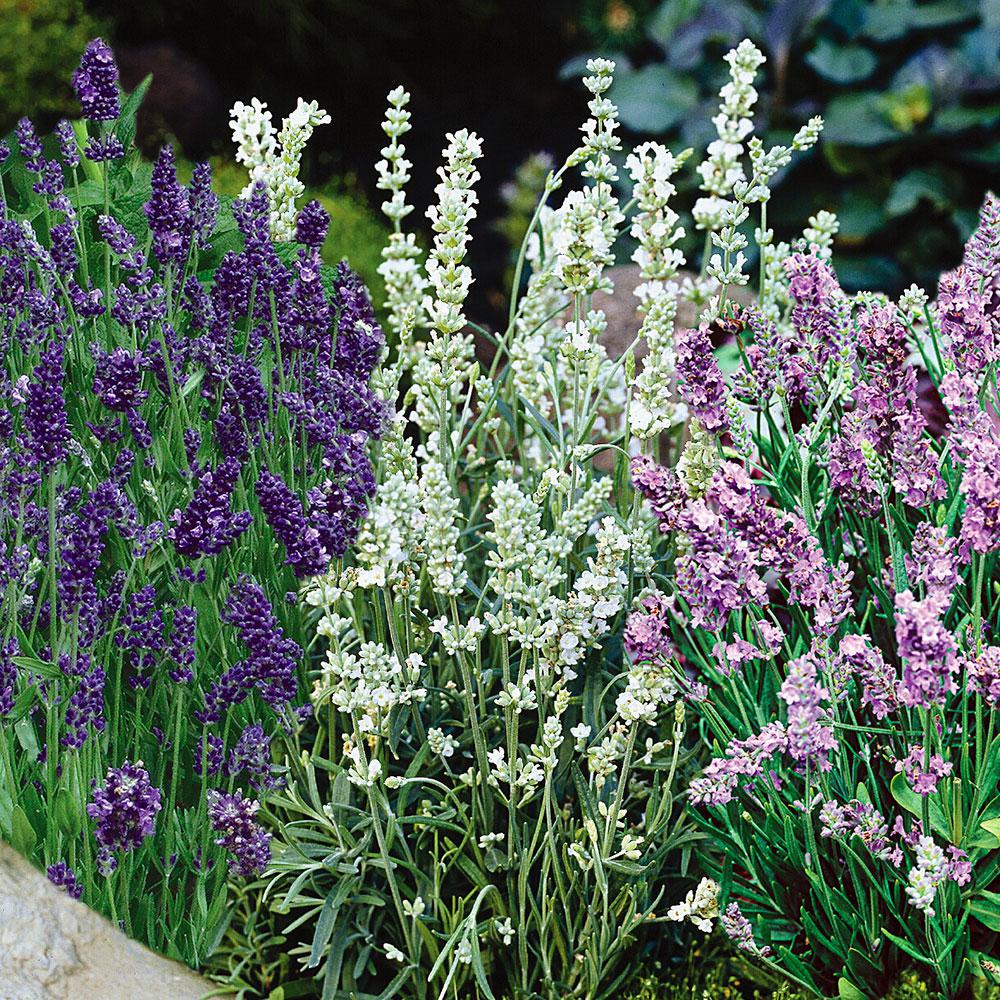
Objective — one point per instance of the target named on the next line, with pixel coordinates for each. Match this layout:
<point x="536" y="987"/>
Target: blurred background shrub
<point x="909" y="89"/>
<point x="40" y="46"/>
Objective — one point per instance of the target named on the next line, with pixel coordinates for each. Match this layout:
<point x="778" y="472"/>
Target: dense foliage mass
<point x="185" y="417"/>
<point x="909" y="91"/>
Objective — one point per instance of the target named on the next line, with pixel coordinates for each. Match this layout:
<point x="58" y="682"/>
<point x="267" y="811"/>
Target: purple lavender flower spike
<point x="124" y="808"/>
<point x="45" y="409"/>
<point x="207" y="525"/>
<point x="181" y="649"/>
<point x="8" y="675"/>
<point x="232" y="816"/>
<point x="30" y="145"/>
<point x="118" y="380"/>
<point x="312" y="225"/>
<point x="168" y="211"/>
<point x="204" y="204"/>
<point x="303" y="550"/>
<point x="95" y="83"/>
<point x="68" y="148"/>
<point x="86" y="709"/>
<point x="271" y="658"/>
<point x="63" y="877"/>
<point x="252" y="755"/>
<point x="103" y="149"/>
<point x="141" y="635"/>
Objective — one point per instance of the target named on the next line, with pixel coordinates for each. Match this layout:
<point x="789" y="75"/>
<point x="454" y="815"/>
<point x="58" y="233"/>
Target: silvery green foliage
<point x="492" y="772"/>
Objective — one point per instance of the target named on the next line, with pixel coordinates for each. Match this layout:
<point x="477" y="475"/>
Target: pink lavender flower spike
<point x="701" y="383"/>
<point x="739" y="931"/>
<point x="927" y="649"/>
<point x="921" y="772"/>
<point x="810" y="737"/>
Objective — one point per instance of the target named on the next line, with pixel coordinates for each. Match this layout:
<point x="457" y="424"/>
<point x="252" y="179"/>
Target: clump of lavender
<point x="864" y="545"/>
<point x="153" y="377"/>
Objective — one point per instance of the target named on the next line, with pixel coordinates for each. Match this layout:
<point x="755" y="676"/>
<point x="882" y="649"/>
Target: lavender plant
<point x="830" y="585"/>
<point x="185" y="414"/>
<point x="489" y="807"/>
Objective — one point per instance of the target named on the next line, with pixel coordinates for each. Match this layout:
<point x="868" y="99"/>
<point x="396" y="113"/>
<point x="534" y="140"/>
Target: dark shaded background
<point x="488" y="65"/>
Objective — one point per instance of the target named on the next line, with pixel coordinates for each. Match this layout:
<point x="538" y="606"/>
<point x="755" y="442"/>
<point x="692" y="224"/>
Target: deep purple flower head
<point x="63" y="877"/>
<point x="207" y="525"/>
<point x="168" y="211"/>
<point x="271" y="657"/>
<point x="141" y="635"/>
<point x="181" y="649"/>
<point x="215" y="752"/>
<point x="95" y="82"/>
<point x="304" y="551"/>
<point x="307" y="321"/>
<point x="8" y="675"/>
<point x="312" y="225"/>
<point x="360" y="341"/>
<point x="30" y="145"/>
<point x="118" y="238"/>
<point x="204" y="204"/>
<point x="124" y="808"/>
<point x="45" y="410"/>
<point x="118" y="380"/>
<point x="63" y="248"/>
<point x="252" y="756"/>
<point x="233" y="817"/>
<point x="81" y="554"/>
<point x="101" y="149"/>
<point x="85" y="709"/>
